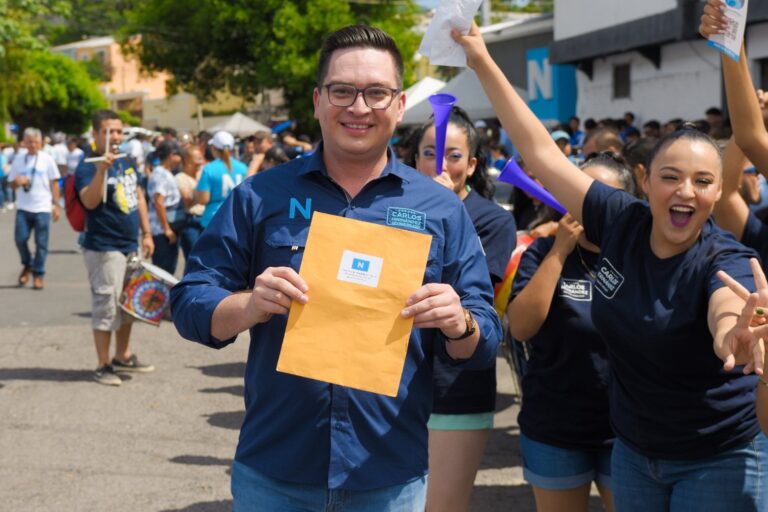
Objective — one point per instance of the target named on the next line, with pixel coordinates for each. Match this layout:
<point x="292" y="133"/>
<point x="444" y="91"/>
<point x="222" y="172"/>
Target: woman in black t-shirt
<point x="464" y="401"/>
<point x="565" y="433"/>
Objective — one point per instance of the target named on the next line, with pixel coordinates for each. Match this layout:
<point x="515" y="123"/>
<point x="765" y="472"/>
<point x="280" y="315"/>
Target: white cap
<point x="223" y="140"/>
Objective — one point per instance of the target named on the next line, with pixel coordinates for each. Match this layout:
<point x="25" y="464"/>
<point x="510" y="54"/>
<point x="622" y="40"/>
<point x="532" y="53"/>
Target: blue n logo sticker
<point x="361" y="265"/>
<point x="305" y="211"/>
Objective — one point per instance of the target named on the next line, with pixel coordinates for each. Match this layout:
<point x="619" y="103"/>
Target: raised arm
<point x="731" y="211"/>
<point x="762" y="400"/>
<point x="529" y="136"/>
<point x="743" y="106"/>
<point x="528" y="311"/>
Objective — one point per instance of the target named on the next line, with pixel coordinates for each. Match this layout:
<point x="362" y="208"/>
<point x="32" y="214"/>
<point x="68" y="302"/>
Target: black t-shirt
<point x="459" y="391"/>
<point x="114" y="225"/>
<point x="755" y="236"/>
<point x="669" y="396"/>
<point x="566" y="379"/>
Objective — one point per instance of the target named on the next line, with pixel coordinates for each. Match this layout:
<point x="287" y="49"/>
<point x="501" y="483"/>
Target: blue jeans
<point x="26" y="222"/>
<point x="166" y="254"/>
<point x="3" y="185"/>
<point x="254" y="492"/>
<point x="188" y="236"/>
<point x="733" y="481"/>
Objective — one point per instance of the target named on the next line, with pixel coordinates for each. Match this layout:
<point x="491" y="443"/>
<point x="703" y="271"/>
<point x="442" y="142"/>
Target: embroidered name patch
<point x="576" y="289"/>
<point x="608" y="280"/>
<point x="406" y="218"/>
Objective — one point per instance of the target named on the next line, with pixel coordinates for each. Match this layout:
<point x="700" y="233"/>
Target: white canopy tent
<point x="421" y="90"/>
<point x="469" y="96"/>
<point x="239" y="125"/>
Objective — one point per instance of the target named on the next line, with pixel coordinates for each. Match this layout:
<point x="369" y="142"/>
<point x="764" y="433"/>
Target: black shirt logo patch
<point x="576" y="289"/>
<point x="608" y="280"/>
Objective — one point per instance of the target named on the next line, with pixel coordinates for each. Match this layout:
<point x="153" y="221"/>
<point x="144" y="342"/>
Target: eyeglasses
<point x="376" y="97"/>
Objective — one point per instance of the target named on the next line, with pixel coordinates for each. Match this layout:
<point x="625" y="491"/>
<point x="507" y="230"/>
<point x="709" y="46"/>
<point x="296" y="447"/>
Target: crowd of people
<point x="643" y="307"/>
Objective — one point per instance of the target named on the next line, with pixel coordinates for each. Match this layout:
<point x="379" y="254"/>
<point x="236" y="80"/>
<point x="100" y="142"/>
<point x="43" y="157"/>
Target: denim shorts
<point x="255" y="492"/>
<point x="733" y="481"/>
<point x="558" y="469"/>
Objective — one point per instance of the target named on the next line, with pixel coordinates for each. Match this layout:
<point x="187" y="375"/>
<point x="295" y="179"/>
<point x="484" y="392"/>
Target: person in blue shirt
<point x="306" y="444"/>
<point x="577" y="135"/>
<point x="687" y="437"/>
<point x="111" y="235"/>
<point x="565" y="433"/>
<point x="464" y="401"/>
<point x="219" y="177"/>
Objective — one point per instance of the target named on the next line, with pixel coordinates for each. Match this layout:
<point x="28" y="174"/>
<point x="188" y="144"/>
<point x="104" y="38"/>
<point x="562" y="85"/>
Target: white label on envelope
<point x="360" y="268"/>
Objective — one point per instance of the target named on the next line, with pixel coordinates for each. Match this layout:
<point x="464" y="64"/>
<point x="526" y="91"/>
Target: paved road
<point x="160" y="442"/>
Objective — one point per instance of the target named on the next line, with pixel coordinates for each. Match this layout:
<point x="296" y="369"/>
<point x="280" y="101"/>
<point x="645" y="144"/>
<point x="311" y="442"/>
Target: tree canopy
<point x="36" y="87"/>
<point x="59" y="94"/>
<point x="247" y="46"/>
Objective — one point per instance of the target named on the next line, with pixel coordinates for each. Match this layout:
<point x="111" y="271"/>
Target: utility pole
<point x="485" y="16"/>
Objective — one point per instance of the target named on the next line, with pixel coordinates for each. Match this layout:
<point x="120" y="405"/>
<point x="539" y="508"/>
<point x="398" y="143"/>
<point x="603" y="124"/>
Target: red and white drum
<point x="148" y="292"/>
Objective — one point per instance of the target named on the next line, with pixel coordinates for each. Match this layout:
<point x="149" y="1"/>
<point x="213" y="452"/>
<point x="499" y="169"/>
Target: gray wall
<point x="510" y="56"/>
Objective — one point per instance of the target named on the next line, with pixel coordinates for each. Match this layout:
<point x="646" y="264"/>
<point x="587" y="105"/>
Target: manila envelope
<point x="351" y="332"/>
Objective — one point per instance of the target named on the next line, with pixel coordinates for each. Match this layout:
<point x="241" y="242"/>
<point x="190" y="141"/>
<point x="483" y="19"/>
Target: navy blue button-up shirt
<point x="310" y="432"/>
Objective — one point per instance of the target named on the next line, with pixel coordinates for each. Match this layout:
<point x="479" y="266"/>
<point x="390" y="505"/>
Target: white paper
<point x="730" y="42"/>
<point x="438" y="45"/>
<point x="360" y="268"/>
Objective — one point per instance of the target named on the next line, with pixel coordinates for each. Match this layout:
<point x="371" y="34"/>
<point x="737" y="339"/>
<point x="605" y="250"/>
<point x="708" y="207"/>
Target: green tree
<point x="247" y="46"/>
<point x="59" y="94"/>
<point x="19" y="23"/>
<point x="86" y="18"/>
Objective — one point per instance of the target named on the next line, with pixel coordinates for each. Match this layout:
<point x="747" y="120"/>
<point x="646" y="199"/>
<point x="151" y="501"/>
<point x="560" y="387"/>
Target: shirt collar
<point x="315" y="163"/>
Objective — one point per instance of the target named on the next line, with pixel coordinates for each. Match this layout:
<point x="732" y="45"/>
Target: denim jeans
<point x="40" y="223"/>
<point x="3" y="185"/>
<point x="166" y="254"/>
<point x="732" y="481"/>
<point x="188" y="236"/>
<point x="254" y="492"/>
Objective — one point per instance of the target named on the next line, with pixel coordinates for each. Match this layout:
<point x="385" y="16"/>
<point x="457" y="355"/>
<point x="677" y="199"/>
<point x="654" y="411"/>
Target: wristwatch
<point x="471" y="326"/>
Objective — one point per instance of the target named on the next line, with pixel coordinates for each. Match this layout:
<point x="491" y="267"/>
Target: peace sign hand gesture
<point x="761" y="283"/>
<point x="742" y="343"/>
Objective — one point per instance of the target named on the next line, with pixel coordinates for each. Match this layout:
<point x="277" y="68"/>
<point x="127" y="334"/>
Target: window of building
<point x="621" y="81"/>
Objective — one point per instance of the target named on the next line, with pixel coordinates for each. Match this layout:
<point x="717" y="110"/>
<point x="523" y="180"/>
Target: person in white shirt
<point x="59" y="152"/>
<point x="74" y="155"/>
<point x="34" y="176"/>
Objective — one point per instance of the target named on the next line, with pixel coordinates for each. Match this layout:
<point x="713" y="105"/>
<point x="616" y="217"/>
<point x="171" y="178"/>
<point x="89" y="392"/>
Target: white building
<point x="647" y="57"/>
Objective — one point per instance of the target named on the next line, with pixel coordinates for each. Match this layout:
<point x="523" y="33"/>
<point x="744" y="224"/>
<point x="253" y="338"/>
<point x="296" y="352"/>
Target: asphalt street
<point x="159" y="442"/>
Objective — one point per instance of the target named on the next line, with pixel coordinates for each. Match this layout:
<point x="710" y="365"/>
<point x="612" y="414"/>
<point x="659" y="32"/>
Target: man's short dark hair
<point x="605" y="139"/>
<point x="358" y="36"/>
<point x="102" y="115"/>
<point x="652" y="124"/>
<point x="714" y="111"/>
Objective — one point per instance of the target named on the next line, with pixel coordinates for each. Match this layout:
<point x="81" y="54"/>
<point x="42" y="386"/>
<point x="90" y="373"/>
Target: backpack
<point x="75" y="210"/>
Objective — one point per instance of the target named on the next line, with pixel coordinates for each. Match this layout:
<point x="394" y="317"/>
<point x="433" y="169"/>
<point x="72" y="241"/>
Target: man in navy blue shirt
<point x="306" y="444"/>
